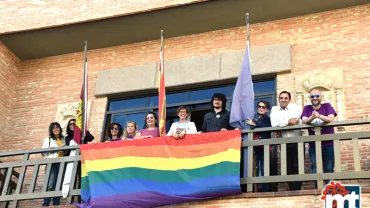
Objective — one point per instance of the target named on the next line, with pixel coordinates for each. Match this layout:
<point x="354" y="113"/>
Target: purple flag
<point x="242" y="106"/>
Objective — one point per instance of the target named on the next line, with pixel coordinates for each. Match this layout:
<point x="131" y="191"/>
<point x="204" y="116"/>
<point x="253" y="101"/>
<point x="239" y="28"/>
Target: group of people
<point x="217" y="120"/>
<point x="286" y="113"/>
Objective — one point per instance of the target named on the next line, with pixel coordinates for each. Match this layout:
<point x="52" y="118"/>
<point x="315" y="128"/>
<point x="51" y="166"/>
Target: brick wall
<point x="320" y="41"/>
<point x="34" y="14"/>
<point x="9" y="67"/>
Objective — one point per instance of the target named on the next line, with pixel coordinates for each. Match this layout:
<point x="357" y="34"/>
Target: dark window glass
<point x="206" y="94"/>
<point x="196" y="111"/>
<point x="261" y="87"/>
<point x="264" y="87"/>
<point x="176" y="98"/>
<point x="170" y="98"/>
<point x="127" y="104"/>
<point x="153" y="101"/>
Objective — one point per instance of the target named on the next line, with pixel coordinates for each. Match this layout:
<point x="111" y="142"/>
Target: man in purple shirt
<point x="318" y="113"/>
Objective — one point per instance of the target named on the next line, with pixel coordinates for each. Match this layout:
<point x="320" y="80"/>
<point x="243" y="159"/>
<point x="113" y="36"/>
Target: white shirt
<point x="190" y="128"/>
<point x="280" y="117"/>
<point x="50" y="143"/>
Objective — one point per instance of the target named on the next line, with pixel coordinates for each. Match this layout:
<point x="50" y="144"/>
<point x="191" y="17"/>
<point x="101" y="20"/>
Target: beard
<point x="316" y="103"/>
<point x="217" y="107"/>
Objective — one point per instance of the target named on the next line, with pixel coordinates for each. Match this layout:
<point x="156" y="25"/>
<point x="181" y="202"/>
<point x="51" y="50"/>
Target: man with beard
<point x="218" y="119"/>
<point x="319" y="113"/>
<point x="287" y="113"/>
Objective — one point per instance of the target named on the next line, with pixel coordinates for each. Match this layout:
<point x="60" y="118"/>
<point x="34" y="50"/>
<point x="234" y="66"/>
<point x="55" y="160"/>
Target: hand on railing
<point x="292" y="121"/>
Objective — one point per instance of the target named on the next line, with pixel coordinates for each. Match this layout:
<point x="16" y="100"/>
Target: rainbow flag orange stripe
<point x="160" y="171"/>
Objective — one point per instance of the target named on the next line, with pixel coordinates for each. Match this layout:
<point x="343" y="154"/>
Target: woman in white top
<point x="179" y="129"/>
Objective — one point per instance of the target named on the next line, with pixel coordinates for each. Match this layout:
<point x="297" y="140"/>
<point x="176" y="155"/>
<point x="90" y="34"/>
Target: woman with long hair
<point x="150" y="126"/>
<point x="115" y="133"/>
<point x="130" y="131"/>
<point x="70" y="133"/>
<point x="54" y="140"/>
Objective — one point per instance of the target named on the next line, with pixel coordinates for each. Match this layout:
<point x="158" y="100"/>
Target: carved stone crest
<point x="317" y="80"/>
<point x="67" y="111"/>
<point x="330" y="82"/>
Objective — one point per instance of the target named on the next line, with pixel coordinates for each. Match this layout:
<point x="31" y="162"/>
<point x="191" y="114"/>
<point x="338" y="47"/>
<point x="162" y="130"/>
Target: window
<point x="197" y="101"/>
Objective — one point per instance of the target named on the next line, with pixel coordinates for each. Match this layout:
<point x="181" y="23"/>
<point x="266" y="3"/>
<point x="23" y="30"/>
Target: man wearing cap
<point x="218" y="119"/>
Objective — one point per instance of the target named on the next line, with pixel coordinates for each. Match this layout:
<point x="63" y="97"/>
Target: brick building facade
<point x="335" y="41"/>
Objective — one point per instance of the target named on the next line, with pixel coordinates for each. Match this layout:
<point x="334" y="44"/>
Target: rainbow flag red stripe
<point x="160" y="171"/>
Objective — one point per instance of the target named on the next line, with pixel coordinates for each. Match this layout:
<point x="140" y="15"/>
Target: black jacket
<point x="262" y="122"/>
<point x="216" y="121"/>
<point x="89" y="137"/>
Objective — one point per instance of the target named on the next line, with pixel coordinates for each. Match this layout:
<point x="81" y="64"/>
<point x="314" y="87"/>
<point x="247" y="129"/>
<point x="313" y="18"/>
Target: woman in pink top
<point x="151" y="126"/>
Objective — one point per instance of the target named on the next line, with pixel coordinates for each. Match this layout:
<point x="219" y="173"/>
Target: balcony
<point x="21" y="178"/>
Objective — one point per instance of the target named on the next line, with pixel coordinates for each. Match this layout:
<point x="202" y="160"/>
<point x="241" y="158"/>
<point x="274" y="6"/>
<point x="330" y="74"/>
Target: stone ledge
<point x="266" y="60"/>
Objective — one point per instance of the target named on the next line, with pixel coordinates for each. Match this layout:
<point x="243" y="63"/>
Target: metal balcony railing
<point x="354" y="137"/>
<point x="13" y="191"/>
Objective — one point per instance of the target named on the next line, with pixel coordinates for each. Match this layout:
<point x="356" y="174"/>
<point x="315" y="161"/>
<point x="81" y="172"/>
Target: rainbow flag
<point x="160" y="171"/>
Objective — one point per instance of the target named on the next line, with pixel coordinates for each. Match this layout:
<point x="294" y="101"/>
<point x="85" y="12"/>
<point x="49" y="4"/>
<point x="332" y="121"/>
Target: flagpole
<point x="162" y="34"/>
<point x="84" y="96"/>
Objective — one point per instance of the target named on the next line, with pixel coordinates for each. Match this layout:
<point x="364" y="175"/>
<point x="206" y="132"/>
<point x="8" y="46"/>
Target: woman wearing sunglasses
<point x="70" y="133"/>
<point x="261" y="120"/>
<point x="115" y="133"/>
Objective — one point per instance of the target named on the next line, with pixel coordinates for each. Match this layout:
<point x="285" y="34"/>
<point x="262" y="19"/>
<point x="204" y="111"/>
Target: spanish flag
<point x="81" y="117"/>
<point x="161" y="93"/>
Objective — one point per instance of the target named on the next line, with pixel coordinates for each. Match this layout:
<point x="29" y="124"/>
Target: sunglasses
<point x="72" y="124"/>
<point x="263" y="107"/>
<point x="313" y="96"/>
<point x="115" y="128"/>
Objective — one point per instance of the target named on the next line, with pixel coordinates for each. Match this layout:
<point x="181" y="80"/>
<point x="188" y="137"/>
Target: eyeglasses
<point x="313" y="96"/>
<point x="72" y="124"/>
<point x="115" y="128"/>
<point x="261" y="106"/>
<point x="182" y="112"/>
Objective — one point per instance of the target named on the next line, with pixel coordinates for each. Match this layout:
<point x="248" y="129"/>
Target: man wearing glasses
<point x="287" y="113"/>
<point x="319" y="113"/>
